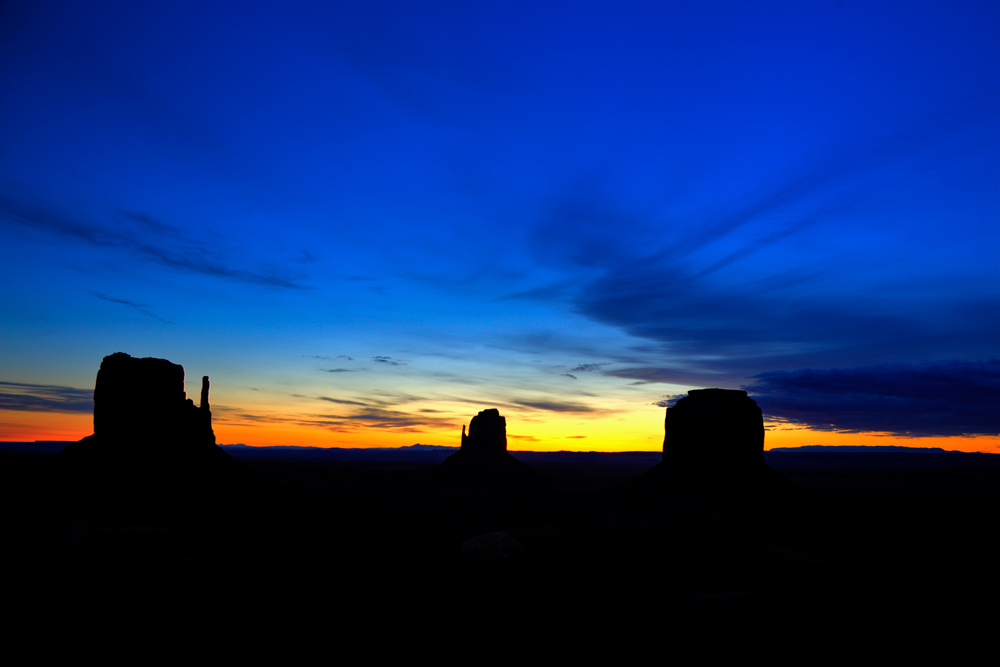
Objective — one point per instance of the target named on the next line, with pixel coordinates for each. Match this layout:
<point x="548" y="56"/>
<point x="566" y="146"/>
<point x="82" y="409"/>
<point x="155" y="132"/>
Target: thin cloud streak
<point x="148" y="240"/>
<point x="139" y="307"/>
<point x="377" y="419"/>
<point x="45" y="398"/>
<point x="556" y="406"/>
<point x="341" y="401"/>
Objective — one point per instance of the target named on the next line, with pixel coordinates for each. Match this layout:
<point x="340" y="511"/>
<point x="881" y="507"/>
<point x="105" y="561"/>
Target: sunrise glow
<point x="369" y="221"/>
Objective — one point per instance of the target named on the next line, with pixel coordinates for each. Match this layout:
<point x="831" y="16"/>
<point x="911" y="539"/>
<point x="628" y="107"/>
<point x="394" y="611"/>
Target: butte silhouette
<point x="152" y="449"/>
<point x="714" y="442"/>
<point x="484" y="455"/>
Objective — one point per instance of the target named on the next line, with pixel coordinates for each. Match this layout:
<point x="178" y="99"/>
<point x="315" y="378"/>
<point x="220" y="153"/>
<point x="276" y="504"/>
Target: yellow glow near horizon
<point x="639" y="430"/>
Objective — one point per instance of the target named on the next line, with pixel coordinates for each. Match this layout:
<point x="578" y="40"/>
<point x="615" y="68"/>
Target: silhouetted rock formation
<point x="714" y="441"/>
<point x="484" y="450"/>
<point x="712" y="429"/>
<point x="487" y="434"/>
<point x="151" y="445"/>
<point x="145" y="399"/>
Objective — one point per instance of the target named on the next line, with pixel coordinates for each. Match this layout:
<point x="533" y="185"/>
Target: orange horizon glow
<point x="557" y="434"/>
<point x="803" y="437"/>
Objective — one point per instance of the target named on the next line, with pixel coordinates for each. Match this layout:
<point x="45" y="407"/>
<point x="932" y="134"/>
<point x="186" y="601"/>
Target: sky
<point x="368" y="221"/>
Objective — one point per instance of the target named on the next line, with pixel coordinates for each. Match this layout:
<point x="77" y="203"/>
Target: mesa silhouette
<point x="149" y="511"/>
<point x="152" y="451"/>
<point x="713" y="442"/>
<point x="484" y="456"/>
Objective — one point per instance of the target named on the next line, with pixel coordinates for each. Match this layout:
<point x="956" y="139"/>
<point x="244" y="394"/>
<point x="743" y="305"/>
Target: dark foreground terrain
<point x="865" y="536"/>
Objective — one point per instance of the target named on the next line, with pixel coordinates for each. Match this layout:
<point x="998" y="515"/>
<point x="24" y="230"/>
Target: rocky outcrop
<point x="151" y="446"/>
<point x="487" y="435"/>
<point x="712" y="429"/>
<point x="484" y="451"/>
<point x="143" y="400"/>
<point x="713" y="443"/>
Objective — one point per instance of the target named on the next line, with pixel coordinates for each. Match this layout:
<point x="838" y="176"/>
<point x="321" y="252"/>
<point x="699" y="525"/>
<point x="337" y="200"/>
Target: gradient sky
<point x="367" y="221"/>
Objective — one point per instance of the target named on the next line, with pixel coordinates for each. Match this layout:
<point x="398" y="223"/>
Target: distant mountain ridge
<point x="413" y="448"/>
<point x="865" y="448"/>
<point x="59" y="445"/>
<point x="37" y="445"/>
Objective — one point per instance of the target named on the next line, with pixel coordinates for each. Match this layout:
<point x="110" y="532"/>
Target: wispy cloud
<point x="389" y="399"/>
<point x="240" y="417"/>
<point x="375" y="400"/>
<point x="341" y="401"/>
<point x="150" y="240"/>
<point x="700" y="287"/>
<point x="555" y="406"/>
<point x="388" y="361"/>
<point x="45" y="398"/>
<point x="364" y="418"/>
<point x="669" y="400"/>
<point x="138" y="307"/>
<point x="587" y="368"/>
<point x="377" y="418"/>
<point x="698" y="375"/>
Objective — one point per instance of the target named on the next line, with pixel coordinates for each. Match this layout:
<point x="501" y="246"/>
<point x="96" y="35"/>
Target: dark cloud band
<point x="947" y="398"/>
<point x="45" y="398"/>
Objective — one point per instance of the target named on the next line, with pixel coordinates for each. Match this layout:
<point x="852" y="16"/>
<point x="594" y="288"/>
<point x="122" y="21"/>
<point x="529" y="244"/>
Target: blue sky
<point x="384" y="217"/>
